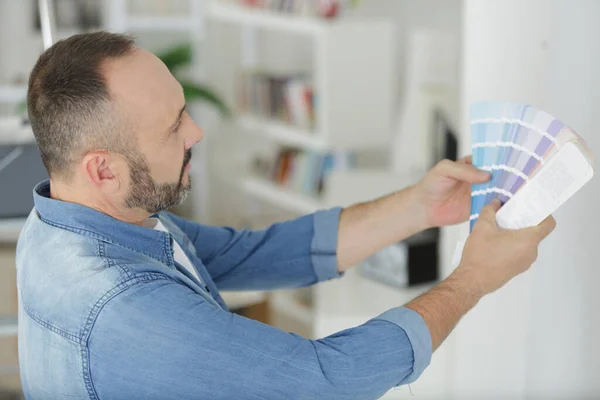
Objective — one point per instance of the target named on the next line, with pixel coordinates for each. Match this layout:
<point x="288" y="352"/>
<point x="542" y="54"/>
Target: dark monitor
<point x="21" y="169"/>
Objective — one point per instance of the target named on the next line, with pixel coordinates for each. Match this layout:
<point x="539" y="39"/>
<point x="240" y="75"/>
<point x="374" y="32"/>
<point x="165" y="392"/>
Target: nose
<point x="196" y="134"/>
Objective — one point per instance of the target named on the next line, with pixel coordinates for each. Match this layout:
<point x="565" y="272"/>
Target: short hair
<point x="68" y="100"/>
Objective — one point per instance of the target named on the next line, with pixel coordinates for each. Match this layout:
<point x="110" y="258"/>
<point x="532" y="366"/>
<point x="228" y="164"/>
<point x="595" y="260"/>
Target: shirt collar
<point x="87" y="221"/>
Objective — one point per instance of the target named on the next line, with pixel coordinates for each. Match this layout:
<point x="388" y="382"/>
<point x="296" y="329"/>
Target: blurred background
<point x="309" y="104"/>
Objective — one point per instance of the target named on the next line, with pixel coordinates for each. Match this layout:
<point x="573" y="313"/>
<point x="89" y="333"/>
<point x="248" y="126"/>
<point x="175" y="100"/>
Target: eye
<point x="176" y="128"/>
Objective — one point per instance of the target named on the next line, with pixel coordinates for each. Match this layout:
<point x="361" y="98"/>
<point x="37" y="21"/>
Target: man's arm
<point x="320" y="246"/>
<point x="305" y="250"/>
<point x="491" y="257"/>
<point x="159" y="339"/>
<point x="294" y="253"/>
<point x="442" y="197"/>
<point x="368" y="227"/>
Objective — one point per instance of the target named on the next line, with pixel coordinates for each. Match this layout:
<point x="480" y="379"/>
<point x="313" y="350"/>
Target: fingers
<point x="545" y="228"/>
<point x="488" y="212"/>
<point x="466" y="160"/>
<point x="541" y="231"/>
<point x="464" y="172"/>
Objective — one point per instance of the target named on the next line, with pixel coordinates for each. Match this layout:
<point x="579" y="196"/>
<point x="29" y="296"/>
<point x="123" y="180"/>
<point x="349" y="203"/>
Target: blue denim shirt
<point x="106" y="313"/>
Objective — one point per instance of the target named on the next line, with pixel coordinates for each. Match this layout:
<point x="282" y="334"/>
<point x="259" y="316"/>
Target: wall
<point x="537" y="337"/>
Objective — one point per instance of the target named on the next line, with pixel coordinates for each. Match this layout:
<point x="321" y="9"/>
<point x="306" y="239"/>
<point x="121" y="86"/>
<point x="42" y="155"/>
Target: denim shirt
<point x="106" y="313"/>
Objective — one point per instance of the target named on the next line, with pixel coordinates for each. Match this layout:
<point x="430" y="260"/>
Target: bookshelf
<point x="280" y="196"/>
<point x="353" y="83"/>
<point x="280" y="133"/>
<point x="235" y="300"/>
<point x="120" y="17"/>
<point x="266" y="19"/>
<point x="160" y="23"/>
<point x="350" y="113"/>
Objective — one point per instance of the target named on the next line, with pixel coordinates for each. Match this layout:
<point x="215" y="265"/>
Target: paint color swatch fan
<point x="537" y="162"/>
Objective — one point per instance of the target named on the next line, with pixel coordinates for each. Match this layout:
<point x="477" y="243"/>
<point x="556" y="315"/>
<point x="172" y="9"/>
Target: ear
<point x="101" y="171"/>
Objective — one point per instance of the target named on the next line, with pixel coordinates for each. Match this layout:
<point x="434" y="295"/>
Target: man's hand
<point x="442" y="197"/>
<point x="445" y="192"/>
<point x="492" y="256"/>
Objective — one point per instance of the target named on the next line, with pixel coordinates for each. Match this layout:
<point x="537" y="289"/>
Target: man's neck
<point x="62" y="192"/>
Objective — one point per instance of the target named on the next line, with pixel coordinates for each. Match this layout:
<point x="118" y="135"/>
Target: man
<point x="120" y="300"/>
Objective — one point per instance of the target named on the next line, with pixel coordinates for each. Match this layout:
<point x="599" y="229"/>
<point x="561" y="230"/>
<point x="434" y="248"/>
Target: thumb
<point x="545" y="228"/>
<point x="488" y="212"/>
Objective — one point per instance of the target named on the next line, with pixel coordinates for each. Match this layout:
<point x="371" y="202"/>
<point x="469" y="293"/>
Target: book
<point x="287" y="98"/>
<point x="304" y="172"/>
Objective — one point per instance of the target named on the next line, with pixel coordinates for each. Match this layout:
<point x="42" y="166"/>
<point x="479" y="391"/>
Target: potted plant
<point x="180" y="56"/>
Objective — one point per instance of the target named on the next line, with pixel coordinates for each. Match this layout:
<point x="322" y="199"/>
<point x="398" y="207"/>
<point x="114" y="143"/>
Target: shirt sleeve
<point x="290" y="254"/>
<point x="159" y="339"/>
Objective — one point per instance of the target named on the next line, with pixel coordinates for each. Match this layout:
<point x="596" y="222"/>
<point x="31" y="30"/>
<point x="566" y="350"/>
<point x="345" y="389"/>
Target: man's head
<point x="111" y="125"/>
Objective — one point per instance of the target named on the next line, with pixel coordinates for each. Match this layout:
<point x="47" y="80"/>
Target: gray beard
<point x="150" y="196"/>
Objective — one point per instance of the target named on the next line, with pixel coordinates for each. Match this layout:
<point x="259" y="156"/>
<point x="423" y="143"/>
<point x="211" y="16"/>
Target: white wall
<point x="442" y="15"/>
<point x="538" y="337"/>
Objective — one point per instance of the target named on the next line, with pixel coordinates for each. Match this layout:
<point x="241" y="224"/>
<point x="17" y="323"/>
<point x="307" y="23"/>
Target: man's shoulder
<point x="65" y="276"/>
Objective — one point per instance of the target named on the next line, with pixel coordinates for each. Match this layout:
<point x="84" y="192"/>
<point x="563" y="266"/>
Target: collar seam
<point x="98" y="236"/>
<point x="155" y="258"/>
<point x="75" y="229"/>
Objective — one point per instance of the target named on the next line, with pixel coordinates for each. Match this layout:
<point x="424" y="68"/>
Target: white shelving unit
<point x="353" y="81"/>
<point x="266" y="19"/>
<point x="281" y="133"/>
<point x="235" y="300"/>
<point x="281" y="196"/>
<point x="168" y="24"/>
<point x="351" y="113"/>
<point x="119" y="18"/>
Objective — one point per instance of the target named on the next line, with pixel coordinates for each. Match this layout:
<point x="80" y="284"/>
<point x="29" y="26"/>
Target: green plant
<point x="22" y="108"/>
<point x="180" y="56"/>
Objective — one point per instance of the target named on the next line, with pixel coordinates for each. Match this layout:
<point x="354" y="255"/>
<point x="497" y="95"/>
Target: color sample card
<point x="514" y="142"/>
